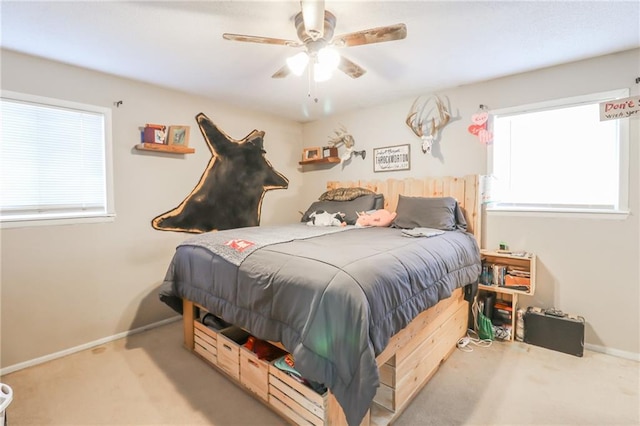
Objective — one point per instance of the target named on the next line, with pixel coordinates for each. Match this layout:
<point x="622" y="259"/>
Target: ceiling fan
<point x="315" y="27"/>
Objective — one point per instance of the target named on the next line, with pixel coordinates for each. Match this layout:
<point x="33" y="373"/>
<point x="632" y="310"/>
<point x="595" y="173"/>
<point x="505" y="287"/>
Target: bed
<point x="368" y="312"/>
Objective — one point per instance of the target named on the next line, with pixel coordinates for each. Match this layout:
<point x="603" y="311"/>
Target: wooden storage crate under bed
<point x="412" y="356"/>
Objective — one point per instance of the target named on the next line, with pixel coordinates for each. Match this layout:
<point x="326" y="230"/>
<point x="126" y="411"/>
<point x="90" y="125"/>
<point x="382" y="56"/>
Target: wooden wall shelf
<point x="320" y="161"/>
<point x="171" y="149"/>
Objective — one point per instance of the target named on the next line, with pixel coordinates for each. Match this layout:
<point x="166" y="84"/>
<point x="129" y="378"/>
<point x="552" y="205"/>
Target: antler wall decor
<point x="342" y="137"/>
<point x="423" y="121"/>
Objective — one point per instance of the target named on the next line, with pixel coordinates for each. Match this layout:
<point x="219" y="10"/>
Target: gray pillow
<point x="429" y="212"/>
<point x="349" y="208"/>
<point x="379" y="202"/>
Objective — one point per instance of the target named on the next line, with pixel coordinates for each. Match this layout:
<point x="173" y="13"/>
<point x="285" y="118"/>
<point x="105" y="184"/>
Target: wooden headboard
<point x="465" y="190"/>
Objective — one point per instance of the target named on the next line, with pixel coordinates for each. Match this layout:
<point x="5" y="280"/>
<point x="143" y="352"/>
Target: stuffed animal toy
<point x="323" y="218"/>
<point x="380" y="217"/>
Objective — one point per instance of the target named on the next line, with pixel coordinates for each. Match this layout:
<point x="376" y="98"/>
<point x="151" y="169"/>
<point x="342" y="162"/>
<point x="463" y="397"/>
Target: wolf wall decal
<point x="230" y="191"/>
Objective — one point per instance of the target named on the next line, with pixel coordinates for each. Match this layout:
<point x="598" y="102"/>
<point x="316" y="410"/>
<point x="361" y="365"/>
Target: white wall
<point x="589" y="267"/>
<point x="64" y="286"/>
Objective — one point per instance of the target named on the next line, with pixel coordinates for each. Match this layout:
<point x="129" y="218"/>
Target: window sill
<point x="559" y="213"/>
<point x="23" y="223"/>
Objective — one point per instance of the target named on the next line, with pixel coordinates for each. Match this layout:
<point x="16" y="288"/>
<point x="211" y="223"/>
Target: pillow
<point x="378" y="203"/>
<point x="348" y="194"/>
<point x="429" y="212"/>
<point x="322" y="218"/>
<point x="379" y="217"/>
<point x="349" y="208"/>
<point x="344" y="194"/>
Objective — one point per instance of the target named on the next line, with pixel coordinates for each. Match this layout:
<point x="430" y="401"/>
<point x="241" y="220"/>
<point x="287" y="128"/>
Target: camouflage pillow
<point x="345" y="194"/>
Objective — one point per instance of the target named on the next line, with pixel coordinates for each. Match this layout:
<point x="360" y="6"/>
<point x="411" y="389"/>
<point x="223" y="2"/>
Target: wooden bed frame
<point x="410" y="359"/>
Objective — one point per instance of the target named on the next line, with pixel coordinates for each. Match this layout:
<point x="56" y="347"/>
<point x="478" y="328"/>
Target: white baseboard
<point x="613" y="352"/>
<point x="10" y="369"/>
<point x="89" y="345"/>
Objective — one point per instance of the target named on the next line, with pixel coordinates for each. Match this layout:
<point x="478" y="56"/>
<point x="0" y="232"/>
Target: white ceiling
<point x="449" y="43"/>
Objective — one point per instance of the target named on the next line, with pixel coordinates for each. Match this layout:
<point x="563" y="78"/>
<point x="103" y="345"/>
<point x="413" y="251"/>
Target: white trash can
<point x="6" y="395"/>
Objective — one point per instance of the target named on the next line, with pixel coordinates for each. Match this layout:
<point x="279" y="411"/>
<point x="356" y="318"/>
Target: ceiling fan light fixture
<point x="315" y="28"/>
<point x="298" y="62"/>
<point x="313" y="17"/>
<point x="321" y="72"/>
<point x="329" y="58"/>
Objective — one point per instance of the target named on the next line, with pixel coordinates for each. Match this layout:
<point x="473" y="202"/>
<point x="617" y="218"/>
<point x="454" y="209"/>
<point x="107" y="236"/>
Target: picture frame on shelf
<point x="178" y="136"/>
<point x="392" y="158"/>
<point x="154" y="133"/>
<point x="312" y="153"/>
<point x="329" y="151"/>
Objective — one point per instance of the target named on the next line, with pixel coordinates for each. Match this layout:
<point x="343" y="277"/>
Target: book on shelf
<point x="516" y="280"/>
<point x="501" y="304"/>
<point x="514" y="270"/>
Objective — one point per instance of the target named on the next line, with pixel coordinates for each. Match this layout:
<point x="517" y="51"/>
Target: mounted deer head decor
<point x="426" y="118"/>
<point x="342" y="137"/>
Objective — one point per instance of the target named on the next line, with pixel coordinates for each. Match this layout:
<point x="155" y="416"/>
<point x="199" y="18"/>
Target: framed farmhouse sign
<point x="391" y="158"/>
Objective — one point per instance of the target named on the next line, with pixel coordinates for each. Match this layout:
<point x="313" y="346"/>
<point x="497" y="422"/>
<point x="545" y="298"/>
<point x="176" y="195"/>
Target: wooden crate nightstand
<point x="508" y="294"/>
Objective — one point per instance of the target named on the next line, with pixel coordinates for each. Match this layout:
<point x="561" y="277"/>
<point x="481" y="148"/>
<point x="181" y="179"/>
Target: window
<point x="55" y="161"/>
<point x="559" y="156"/>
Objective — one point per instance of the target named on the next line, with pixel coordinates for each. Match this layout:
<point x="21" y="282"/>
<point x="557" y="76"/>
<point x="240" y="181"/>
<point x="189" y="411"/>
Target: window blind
<point x="52" y="161"/>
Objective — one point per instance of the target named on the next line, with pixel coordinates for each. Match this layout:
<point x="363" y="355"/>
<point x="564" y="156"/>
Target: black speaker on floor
<point x="489" y="303"/>
<point x="554" y="330"/>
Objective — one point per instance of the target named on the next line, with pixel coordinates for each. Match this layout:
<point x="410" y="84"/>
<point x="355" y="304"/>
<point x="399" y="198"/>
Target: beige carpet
<point x="149" y="379"/>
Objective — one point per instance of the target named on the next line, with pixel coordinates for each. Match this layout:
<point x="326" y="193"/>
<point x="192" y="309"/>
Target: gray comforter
<point x="333" y="300"/>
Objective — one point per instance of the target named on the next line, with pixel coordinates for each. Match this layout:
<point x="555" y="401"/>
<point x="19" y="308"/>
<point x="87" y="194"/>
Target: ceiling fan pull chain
<point x="311" y="81"/>
<point x="315" y="90"/>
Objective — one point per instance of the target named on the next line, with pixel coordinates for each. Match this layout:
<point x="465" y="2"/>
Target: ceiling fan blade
<point x="262" y="40"/>
<point x="350" y="68"/>
<point x="373" y="35"/>
<point x="282" y="72"/>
